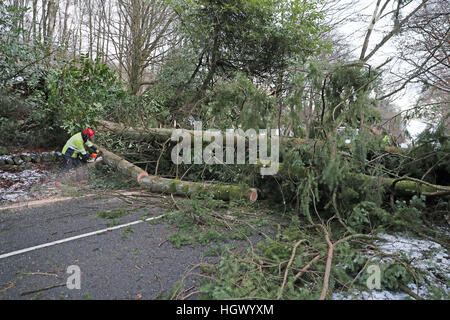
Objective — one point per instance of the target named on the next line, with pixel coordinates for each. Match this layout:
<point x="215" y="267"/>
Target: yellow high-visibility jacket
<point x="75" y="145"/>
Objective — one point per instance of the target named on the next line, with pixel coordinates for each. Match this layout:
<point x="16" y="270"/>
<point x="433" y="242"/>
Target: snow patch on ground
<point x="425" y="255"/>
<point x="15" y="186"/>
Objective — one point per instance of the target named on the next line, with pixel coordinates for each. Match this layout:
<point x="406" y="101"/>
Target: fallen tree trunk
<point x="174" y="186"/>
<point x="402" y="186"/>
<point x="165" y="134"/>
<point x="406" y="186"/>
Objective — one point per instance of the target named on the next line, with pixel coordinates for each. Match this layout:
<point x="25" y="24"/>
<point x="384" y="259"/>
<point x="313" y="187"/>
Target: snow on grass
<point x="427" y="256"/>
<point x="16" y="185"/>
<point x="424" y="254"/>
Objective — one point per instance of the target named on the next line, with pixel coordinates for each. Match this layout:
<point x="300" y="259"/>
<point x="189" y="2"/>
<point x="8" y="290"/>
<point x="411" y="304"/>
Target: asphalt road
<point x="134" y="262"/>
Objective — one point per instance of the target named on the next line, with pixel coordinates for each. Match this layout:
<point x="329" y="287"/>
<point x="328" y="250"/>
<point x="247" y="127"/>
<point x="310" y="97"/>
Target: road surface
<point x="130" y="262"/>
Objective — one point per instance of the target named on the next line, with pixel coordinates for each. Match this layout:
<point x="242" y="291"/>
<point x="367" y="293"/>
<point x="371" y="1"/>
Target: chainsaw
<point x="95" y="157"/>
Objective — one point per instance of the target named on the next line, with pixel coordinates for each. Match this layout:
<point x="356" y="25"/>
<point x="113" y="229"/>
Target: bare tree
<point x="428" y="53"/>
<point x="396" y="28"/>
<point x="52" y="10"/>
<point x="144" y="31"/>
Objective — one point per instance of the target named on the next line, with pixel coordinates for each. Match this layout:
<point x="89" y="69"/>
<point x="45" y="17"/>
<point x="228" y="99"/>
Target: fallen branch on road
<point x="42" y="289"/>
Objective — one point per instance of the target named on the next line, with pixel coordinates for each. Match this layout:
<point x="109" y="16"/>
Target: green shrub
<point x="82" y="91"/>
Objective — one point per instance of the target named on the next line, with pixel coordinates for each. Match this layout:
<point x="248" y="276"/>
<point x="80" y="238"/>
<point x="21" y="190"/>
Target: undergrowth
<point x="202" y="219"/>
<point x="104" y="177"/>
<point x="291" y="262"/>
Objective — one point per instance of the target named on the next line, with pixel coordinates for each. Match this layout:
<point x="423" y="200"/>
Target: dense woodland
<point x="254" y="64"/>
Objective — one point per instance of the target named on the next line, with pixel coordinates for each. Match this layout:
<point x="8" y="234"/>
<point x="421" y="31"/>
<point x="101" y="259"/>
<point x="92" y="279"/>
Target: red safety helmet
<point x="88" y="134"/>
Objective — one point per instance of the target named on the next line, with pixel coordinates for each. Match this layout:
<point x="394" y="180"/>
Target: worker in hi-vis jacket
<point x="74" y="150"/>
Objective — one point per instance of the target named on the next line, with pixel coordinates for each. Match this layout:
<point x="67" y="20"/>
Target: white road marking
<point x="6" y="255"/>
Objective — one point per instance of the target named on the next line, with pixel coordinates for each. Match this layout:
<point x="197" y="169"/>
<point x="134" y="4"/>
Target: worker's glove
<point x="85" y="157"/>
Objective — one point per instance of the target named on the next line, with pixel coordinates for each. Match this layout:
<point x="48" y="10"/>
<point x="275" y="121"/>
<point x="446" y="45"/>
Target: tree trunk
<point x="64" y="32"/>
<point x="51" y="21"/>
<point x="43" y="23"/>
<point x="175" y="186"/>
<point x="34" y="21"/>
<point x="164" y="134"/>
<point x="91" y="31"/>
<point x="402" y="186"/>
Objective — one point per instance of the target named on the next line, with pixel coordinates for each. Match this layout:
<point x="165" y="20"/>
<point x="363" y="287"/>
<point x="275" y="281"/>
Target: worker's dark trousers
<point x="70" y="162"/>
